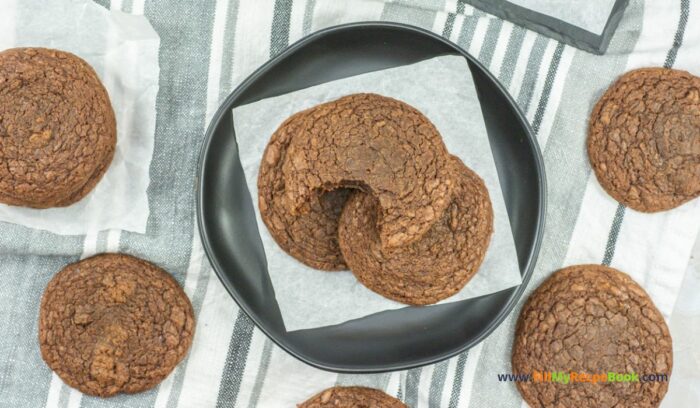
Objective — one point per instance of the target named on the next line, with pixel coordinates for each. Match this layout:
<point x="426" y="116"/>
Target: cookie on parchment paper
<point x="58" y="131"/>
<point x="373" y="143"/>
<point x="433" y="268"/>
<point x="310" y="237"/>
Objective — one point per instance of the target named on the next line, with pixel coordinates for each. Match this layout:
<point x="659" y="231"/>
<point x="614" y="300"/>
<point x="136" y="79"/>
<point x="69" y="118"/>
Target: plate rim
<point x="533" y="254"/>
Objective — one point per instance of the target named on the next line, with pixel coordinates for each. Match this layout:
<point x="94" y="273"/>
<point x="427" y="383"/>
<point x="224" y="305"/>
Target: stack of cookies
<point x="366" y="182"/>
<point x="58" y="132"/>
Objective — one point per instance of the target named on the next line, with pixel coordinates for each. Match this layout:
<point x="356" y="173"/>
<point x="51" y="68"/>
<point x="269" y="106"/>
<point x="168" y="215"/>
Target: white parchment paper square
<point x="123" y="50"/>
<point x="442" y="89"/>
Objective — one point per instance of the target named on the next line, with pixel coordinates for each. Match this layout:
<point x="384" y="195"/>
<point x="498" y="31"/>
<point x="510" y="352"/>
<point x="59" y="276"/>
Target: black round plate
<point x="393" y="340"/>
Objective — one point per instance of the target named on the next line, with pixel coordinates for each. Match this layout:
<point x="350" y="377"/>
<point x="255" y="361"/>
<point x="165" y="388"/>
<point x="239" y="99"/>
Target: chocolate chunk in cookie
<point x="436" y="266"/>
<point x="592" y="320"/>
<point x="114" y="323"/>
<point x="370" y="142"/>
<point x="57" y="128"/>
<point x="644" y="139"/>
<point x="310" y="237"/>
<point x="352" y="397"/>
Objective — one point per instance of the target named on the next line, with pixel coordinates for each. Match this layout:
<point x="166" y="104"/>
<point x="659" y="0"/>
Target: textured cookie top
<point x="310" y="237"/>
<point x="644" y="139"/>
<point x="591" y="319"/>
<point x="436" y="266"/>
<point x="114" y="323"/>
<point x="57" y="128"/>
<point x="374" y="143"/>
<point x="352" y="397"/>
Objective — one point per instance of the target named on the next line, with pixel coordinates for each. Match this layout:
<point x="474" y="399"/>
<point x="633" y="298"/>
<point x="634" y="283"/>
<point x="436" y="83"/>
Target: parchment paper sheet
<point x="123" y="50"/>
<point x="442" y="89"/>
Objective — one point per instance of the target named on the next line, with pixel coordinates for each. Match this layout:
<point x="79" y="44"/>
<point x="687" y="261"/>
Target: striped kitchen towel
<point x="210" y="46"/>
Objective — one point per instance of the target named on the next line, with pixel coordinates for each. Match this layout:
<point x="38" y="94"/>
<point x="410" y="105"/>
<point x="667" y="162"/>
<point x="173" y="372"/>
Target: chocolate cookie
<point x="376" y="144"/>
<point x="436" y="266"/>
<point x="114" y="323"/>
<point x="57" y="128"/>
<point x="310" y="237"/>
<point x="594" y="320"/>
<point x="644" y="139"/>
<point x="352" y="397"/>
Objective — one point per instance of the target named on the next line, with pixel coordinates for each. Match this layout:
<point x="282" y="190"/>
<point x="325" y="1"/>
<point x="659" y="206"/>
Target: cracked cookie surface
<point x="114" y="323"/>
<point x="377" y="144"/>
<point x="57" y="128"/>
<point x="591" y="319"/>
<point x="436" y="266"/>
<point x="310" y="237"/>
<point x="352" y="397"/>
<point x="644" y="139"/>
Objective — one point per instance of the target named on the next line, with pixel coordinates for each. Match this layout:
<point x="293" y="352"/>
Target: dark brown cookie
<point x="433" y="268"/>
<point x="114" y="323"/>
<point x="310" y="237"/>
<point x="592" y="319"/>
<point x="57" y="128"/>
<point x="644" y="139"/>
<point x="352" y="397"/>
<point x="374" y="143"/>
